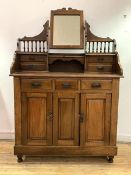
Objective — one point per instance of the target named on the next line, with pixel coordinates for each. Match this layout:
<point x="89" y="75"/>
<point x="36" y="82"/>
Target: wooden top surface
<point x="66" y="54"/>
<point x="61" y="74"/>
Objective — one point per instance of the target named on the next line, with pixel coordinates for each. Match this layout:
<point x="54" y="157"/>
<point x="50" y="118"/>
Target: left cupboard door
<point x="37" y="118"/>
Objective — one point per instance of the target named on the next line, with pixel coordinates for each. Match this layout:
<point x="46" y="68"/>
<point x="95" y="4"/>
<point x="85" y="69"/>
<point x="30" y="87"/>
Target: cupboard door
<point x="66" y="119"/>
<point x="37" y="118"/>
<point x="96" y="112"/>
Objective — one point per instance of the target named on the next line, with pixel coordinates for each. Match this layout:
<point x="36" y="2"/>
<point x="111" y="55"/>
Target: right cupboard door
<point x="96" y="113"/>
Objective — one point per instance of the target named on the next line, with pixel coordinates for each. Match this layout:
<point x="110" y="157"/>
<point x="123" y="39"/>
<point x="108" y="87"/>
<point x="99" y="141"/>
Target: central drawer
<point x="66" y="84"/>
<point x="36" y="85"/>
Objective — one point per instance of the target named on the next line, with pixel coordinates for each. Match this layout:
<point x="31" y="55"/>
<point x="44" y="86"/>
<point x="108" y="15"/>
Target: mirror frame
<point x="68" y="12"/>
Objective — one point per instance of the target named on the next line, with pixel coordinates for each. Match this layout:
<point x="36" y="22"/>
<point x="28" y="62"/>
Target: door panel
<point x="37" y="118"/>
<point x="66" y="119"/>
<point x="95" y="127"/>
<point x="36" y="126"/>
<point x="66" y="111"/>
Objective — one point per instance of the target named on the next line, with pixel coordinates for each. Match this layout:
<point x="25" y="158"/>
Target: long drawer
<point x="36" y="85"/>
<point x="40" y="85"/>
<point x="96" y="84"/>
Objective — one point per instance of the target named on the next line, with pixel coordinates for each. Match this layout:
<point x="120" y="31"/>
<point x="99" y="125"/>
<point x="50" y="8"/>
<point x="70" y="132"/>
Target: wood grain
<point x="66" y="118"/>
<point x="36" y="125"/>
<point x="63" y="75"/>
<point x="99" y="68"/>
<point x="99" y="59"/>
<point x="64" y="166"/>
<point x="17" y="103"/>
<point x="36" y="85"/>
<point x="104" y="84"/>
<point x="96" y="110"/>
<point x="71" y="84"/>
<point x="114" y="111"/>
<point x="69" y="113"/>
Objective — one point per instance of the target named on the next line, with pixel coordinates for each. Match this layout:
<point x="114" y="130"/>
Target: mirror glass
<point x="66" y="30"/>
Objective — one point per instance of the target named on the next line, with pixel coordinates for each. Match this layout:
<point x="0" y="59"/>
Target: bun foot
<point x="19" y="159"/>
<point x="110" y="159"/>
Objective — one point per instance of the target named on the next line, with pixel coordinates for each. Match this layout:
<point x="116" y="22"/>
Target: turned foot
<point x="110" y="159"/>
<point x="19" y="159"/>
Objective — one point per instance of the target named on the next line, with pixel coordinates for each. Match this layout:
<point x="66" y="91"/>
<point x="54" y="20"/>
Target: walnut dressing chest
<point x="66" y="88"/>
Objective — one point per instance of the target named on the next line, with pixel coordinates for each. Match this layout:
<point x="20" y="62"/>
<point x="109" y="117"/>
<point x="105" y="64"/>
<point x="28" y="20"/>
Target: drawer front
<point x="96" y="84"/>
<point x="35" y="85"/>
<point x="100" y="59"/>
<point x="100" y="68"/>
<point x="66" y="84"/>
<point x="31" y="66"/>
<point x="33" y="58"/>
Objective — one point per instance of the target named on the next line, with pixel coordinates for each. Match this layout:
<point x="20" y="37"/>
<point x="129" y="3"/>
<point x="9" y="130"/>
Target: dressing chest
<point x="66" y="88"/>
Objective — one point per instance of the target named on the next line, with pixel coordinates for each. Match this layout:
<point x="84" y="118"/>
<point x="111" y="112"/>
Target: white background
<point x="26" y="17"/>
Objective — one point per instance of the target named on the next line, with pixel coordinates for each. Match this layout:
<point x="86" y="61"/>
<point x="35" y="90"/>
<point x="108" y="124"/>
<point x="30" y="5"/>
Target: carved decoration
<point x="93" y="43"/>
<point x="41" y="37"/>
<point x="91" y="37"/>
<point x="65" y="10"/>
<point x="66" y="66"/>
